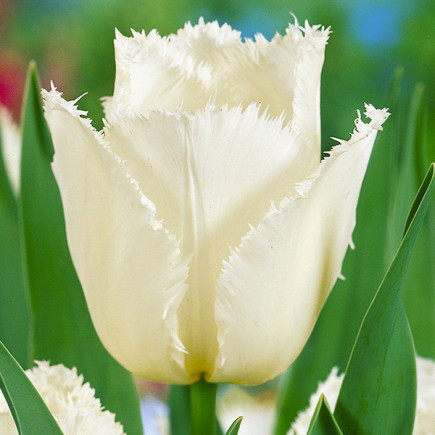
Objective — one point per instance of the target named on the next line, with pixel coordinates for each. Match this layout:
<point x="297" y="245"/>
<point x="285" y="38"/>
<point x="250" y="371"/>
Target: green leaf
<point x="29" y="411"/>
<point x="378" y="394"/>
<point x="408" y="168"/>
<point x="63" y="331"/>
<point x="420" y="279"/>
<point x="14" y="303"/>
<point x="323" y="422"/>
<point x="234" y="428"/>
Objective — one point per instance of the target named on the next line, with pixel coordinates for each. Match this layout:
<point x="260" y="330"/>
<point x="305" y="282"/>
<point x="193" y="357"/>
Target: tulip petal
<point x="307" y="71"/>
<point x="283" y="75"/>
<point x="209" y="187"/>
<point x="208" y="61"/>
<point x="152" y="73"/>
<point x="131" y="268"/>
<point x="276" y="281"/>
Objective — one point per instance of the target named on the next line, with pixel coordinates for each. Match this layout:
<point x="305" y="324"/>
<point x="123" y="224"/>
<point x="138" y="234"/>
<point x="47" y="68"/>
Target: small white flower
<point x="204" y="229"/>
<point x="11" y="147"/>
<point x="72" y="403"/>
<point x="330" y="389"/>
<point x="425" y="412"/>
<point x="258" y="412"/>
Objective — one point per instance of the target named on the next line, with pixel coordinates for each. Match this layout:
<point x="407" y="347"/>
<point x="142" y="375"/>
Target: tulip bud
<point x="204" y="229"/>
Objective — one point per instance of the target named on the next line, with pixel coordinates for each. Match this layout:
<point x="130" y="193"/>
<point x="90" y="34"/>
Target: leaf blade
<point x="14" y="304"/>
<point x="29" y="411"/>
<point x="378" y="393"/>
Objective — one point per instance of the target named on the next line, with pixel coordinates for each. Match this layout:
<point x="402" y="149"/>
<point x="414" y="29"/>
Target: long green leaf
<point x="323" y="422"/>
<point x="420" y="279"/>
<point x="14" y="304"/>
<point x="378" y="393"/>
<point x="29" y="411"/>
<point x="410" y="167"/>
<point x="63" y="331"/>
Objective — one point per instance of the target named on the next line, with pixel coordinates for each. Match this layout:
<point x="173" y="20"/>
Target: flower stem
<point x="203" y="408"/>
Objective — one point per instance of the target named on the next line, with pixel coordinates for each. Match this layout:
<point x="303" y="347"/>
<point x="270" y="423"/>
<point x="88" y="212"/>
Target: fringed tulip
<point x="204" y="229"/>
<point x="71" y="401"/>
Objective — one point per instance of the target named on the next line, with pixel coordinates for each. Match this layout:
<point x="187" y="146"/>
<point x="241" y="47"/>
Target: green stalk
<point x="203" y="408"/>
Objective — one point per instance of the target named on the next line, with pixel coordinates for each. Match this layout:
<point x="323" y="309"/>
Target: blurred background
<point x="380" y="52"/>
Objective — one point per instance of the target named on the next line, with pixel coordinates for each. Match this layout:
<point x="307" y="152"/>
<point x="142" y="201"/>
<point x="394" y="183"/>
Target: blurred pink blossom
<point x="12" y="73"/>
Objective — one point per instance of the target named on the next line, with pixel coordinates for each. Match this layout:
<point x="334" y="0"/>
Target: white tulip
<point x="205" y="231"/>
<point x="72" y="403"/>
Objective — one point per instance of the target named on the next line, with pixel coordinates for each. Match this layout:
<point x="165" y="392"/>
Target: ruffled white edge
<point x="362" y="130"/>
<point x="175" y="53"/>
<point x="53" y="101"/>
<point x="170" y="47"/>
<point x="226" y="295"/>
<point x="71" y="401"/>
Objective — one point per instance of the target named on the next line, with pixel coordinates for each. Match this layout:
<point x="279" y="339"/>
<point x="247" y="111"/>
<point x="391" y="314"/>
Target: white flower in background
<point x="330" y="389"/>
<point x="11" y="148"/>
<point x="72" y="403"/>
<point x="205" y="231"/>
<point x="425" y="412"/>
<point x="258" y="412"/>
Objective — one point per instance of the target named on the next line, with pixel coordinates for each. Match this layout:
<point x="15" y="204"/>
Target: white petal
<point x="307" y="71"/>
<point x="283" y="75"/>
<point x="212" y="176"/>
<point x="207" y="62"/>
<point x="151" y="73"/>
<point x="275" y="283"/>
<point x="131" y="268"/>
<point x="11" y="147"/>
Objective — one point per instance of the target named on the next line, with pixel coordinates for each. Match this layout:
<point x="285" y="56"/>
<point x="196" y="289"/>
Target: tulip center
<point x="198" y="330"/>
